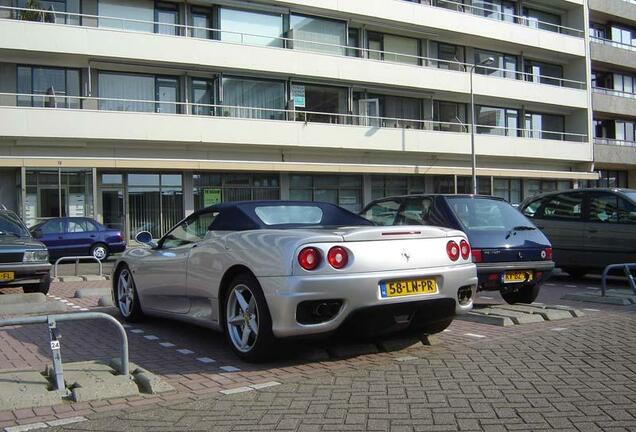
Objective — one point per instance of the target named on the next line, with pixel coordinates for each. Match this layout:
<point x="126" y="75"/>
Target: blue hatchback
<point x="74" y="236"/>
<point x="511" y="254"/>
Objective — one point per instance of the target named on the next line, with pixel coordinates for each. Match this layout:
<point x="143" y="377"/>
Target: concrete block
<point x="351" y="350"/>
<point x="70" y="279"/>
<point x="596" y="298"/>
<point x="105" y="301"/>
<point x="146" y="381"/>
<point x="26" y="298"/>
<point x="91" y="292"/>
<point x="500" y="321"/>
<point x="546" y="313"/>
<point x="430" y="340"/>
<point x="26" y="389"/>
<point x="515" y="316"/>
<point x="93" y="278"/>
<point x="398" y="343"/>
<point x="32" y="308"/>
<point x="93" y="380"/>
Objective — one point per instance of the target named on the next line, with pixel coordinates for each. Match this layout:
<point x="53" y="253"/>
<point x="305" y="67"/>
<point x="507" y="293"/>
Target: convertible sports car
<point x="263" y="271"/>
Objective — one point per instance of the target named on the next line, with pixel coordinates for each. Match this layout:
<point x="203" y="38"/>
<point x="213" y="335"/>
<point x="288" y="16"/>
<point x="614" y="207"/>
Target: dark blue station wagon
<point x="511" y="254"/>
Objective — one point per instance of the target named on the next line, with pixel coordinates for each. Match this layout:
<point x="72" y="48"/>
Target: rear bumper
<point x="361" y="291"/>
<point x="485" y="270"/>
<point x="26" y="273"/>
<point x="117" y="247"/>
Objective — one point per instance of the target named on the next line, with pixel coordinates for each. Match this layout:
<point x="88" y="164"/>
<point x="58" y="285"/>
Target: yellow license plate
<point x="7" y="276"/>
<point x="518" y="276"/>
<point x="401" y="288"/>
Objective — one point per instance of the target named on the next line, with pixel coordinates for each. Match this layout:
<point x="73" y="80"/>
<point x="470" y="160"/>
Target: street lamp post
<point x="485" y="62"/>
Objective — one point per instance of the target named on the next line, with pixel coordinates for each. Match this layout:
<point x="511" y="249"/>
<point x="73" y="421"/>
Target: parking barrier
<point x="77" y="260"/>
<point x="55" y="336"/>
<point x="626" y="268"/>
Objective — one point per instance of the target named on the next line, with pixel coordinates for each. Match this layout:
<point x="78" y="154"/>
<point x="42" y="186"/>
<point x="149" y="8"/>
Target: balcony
<point x="614" y="102"/>
<point x="624" y="9"/>
<point x="612" y="52"/>
<point x="615" y="152"/>
<point x="239" y="127"/>
<point x="292" y="57"/>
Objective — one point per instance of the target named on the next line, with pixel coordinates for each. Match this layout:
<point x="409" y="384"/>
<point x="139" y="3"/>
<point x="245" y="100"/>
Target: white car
<point x="268" y="270"/>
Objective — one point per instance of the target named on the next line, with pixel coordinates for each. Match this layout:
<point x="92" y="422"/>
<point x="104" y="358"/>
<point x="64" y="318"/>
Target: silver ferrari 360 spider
<point x="268" y="270"/>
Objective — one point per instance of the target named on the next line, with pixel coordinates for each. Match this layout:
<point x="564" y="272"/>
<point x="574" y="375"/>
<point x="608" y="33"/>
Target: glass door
<point x="167" y="95"/>
<point x="113" y="209"/>
<point x="369" y="112"/>
<point x="52" y="202"/>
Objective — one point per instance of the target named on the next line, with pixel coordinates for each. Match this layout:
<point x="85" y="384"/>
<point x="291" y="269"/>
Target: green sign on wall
<point x="211" y="197"/>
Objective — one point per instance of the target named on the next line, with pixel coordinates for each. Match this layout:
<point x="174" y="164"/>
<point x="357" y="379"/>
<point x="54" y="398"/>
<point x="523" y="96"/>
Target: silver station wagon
<point x="263" y="271"/>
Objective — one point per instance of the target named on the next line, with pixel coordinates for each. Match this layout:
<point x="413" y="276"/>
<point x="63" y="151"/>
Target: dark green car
<point x="24" y="261"/>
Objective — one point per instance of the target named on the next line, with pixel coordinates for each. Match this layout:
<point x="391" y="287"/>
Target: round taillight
<point x="338" y="257"/>
<point x="452" y="250"/>
<point x="464" y="248"/>
<point x="546" y="253"/>
<point x="309" y="258"/>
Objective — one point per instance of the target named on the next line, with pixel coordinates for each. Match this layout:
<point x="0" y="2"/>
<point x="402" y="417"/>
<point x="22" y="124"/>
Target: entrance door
<point x="113" y="209"/>
<point x="167" y="95"/>
<point x="369" y="108"/>
<point x="50" y="200"/>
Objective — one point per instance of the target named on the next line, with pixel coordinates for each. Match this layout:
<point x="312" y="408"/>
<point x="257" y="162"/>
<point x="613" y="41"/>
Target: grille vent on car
<point x="11" y="257"/>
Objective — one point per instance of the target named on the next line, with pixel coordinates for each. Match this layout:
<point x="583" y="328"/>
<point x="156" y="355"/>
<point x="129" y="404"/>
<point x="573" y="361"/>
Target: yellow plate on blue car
<point x="518" y="276"/>
<point x="7" y="276"/>
<point x="408" y="287"/>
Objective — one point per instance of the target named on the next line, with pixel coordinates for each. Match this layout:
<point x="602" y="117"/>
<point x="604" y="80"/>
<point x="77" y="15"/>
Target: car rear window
<point x="289" y="215"/>
<point x="486" y="214"/>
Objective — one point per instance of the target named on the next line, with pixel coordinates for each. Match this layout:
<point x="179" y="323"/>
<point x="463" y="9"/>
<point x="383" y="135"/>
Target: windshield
<point x="487" y="214"/>
<point x="10" y="224"/>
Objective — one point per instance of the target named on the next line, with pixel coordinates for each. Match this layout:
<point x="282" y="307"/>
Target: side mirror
<point x="144" y="237"/>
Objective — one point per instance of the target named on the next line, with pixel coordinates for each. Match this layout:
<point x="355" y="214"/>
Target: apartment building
<point x="138" y="112"/>
<point x="613" y="56"/>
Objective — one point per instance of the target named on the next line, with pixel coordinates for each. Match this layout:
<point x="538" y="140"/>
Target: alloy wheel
<point x="125" y="292"/>
<point x="242" y="318"/>
<point x="99" y="252"/>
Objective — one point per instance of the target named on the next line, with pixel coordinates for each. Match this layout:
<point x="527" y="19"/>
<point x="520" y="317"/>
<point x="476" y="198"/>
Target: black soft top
<point x="241" y="216"/>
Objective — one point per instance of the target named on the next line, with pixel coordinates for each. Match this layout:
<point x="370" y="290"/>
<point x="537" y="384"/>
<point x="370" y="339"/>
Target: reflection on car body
<point x="260" y="271"/>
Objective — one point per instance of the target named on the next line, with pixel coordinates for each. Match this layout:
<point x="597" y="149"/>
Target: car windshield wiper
<point x="520" y="228"/>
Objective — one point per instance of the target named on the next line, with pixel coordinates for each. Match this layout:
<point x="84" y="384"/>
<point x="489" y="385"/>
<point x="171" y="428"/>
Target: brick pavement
<point x="194" y="376"/>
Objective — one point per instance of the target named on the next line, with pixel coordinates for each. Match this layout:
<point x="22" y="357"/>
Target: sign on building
<point x="211" y="197"/>
<point x="298" y="95"/>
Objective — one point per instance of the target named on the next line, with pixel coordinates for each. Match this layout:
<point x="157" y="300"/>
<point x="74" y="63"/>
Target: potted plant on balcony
<point x="33" y="13"/>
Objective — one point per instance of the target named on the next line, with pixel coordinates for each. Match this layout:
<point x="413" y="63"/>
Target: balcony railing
<point x="501" y="16"/>
<point x="616" y="44"/>
<point x="224" y="36"/>
<point x="614" y="142"/>
<point x="159" y="107"/>
<point x="613" y="92"/>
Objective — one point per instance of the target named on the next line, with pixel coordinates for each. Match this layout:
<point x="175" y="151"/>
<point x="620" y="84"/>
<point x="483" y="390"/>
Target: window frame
<point x="189" y="221"/>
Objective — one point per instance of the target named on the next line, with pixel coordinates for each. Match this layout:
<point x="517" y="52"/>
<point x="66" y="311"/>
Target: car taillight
<point x="546" y="253"/>
<point x="477" y="256"/>
<point x="309" y="258"/>
<point x="452" y="250"/>
<point x="464" y="248"/>
<point x="338" y="257"/>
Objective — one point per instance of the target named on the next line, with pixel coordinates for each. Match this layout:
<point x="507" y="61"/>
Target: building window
<point x="342" y="190"/>
<point x="51" y="85"/>
<point x="318" y="34"/>
<point x="393" y="185"/>
<point x="543" y="73"/>
<point x="395" y="108"/>
<point x="505" y="65"/>
<point x="58" y="193"/>
<point x="251" y="27"/>
<point x="621" y="130"/>
<point x="602" y="79"/>
<point x="450" y="116"/>
<point x="623" y="35"/>
<point x="497" y="121"/>
<point x="444" y="184"/>
<point x="167" y="18"/>
<point x="449" y="56"/>
<point x="536" y="187"/>
<point x="127" y="92"/>
<point x="155" y="202"/>
<point x="508" y="189"/>
<point x="202" y="96"/>
<point x="544" y="126"/>
<point x="397" y="49"/>
<point x="624" y="83"/>
<point x="598" y="31"/>
<point x="212" y="188"/>
<point x="201" y="20"/>
<point x="610" y="179"/>
<point x="495" y="9"/>
<point x="135" y="15"/>
<point x="542" y="20"/>
<point x="354" y="43"/>
<point x="323" y="99"/>
<point x="48" y="10"/>
<point x="465" y="185"/>
<point x="261" y="99"/>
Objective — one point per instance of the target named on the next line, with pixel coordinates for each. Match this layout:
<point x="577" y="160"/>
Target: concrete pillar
<point x="188" y="193"/>
<point x="367" y="189"/>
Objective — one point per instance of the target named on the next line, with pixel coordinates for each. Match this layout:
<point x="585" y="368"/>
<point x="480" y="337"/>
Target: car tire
<point x="247" y="321"/>
<point x="42" y="287"/>
<point x="100" y="251"/>
<point x="126" y="296"/>
<point x="576" y="273"/>
<point x="526" y="294"/>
